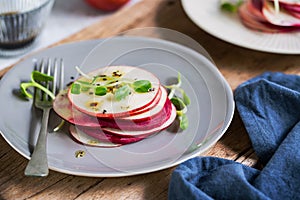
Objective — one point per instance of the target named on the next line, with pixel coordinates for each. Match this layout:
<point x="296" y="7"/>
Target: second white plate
<point x="228" y="27"/>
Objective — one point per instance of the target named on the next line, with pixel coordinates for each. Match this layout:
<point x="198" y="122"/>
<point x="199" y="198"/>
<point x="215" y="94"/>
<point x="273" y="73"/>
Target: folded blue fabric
<point x="269" y="106"/>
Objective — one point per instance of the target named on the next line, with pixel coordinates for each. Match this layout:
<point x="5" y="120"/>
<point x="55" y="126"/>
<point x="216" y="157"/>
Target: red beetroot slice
<point x="144" y="133"/>
<point x="100" y="139"/>
<point x="114" y="137"/>
<point x="103" y="135"/>
<point x="107" y="106"/>
<point x="295" y="11"/>
<point x="289" y="3"/>
<point x="254" y="8"/>
<point x="151" y="117"/>
<point x="252" y="17"/>
<point x="290" y="7"/>
<point x="281" y="18"/>
<point x="295" y="14"/>
<point x="155" y="120"/>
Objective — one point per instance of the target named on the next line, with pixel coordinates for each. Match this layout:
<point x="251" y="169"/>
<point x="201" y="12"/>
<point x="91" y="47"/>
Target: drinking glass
<point x="21" y="22"/>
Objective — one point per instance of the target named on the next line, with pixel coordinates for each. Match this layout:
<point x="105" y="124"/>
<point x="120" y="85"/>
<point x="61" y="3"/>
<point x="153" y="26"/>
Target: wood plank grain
<point x="136" y="187"/>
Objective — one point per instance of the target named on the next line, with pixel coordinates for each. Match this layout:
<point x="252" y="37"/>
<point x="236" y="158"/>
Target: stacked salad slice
<point x="269" y="16"/>
<point x="115" y="105"/>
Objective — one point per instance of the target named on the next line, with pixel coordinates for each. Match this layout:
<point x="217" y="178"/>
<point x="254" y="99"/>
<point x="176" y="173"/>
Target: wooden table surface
<point x="235" y="63"/>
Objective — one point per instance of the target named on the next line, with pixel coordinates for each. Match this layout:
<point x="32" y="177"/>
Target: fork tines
<point x="50" y="69"/>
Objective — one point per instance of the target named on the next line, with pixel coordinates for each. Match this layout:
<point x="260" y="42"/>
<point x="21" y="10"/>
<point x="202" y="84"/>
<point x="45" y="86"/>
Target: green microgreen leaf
<point x="180" y="112"/>
<point x="141" y="86"/>
<point x="23" y="87"/>
<point x="59" y="126"/>
<point x="179" y="80"/>
<point x="82" y="73"/>
<point x="38" y="76"/>
<point x="100" y="91"/>
<point x="231" y="5"/>
<point x="228" y="7"/>
<point x="184" y="122"/>
<point x="185" y="98"/>
<point x="178" y="103"/>
<point x="75" y="88"/>
<point x="122" y="92"/>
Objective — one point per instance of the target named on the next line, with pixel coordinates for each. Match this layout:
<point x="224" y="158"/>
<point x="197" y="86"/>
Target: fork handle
<point x="38" y="164"/>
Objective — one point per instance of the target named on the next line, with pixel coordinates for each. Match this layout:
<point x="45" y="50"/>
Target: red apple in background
<point x="107" y="5"/>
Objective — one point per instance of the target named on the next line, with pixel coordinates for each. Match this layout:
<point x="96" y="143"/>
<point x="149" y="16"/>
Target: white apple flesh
<point x="107" y="106"/>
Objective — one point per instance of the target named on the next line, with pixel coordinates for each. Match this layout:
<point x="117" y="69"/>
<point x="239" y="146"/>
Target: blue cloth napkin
<point x="269" y="106"/>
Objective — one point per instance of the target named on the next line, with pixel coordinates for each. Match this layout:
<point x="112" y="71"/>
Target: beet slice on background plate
<point x="261" y="15"/>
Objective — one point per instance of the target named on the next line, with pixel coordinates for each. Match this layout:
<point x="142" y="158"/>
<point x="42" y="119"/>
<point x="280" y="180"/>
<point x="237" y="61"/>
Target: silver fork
<point x="38" y="164"/>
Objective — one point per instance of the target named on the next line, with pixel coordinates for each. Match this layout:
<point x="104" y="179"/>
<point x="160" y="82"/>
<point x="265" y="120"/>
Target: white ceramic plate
<point x="228" y="27"/>
<point x="209" y="114"/>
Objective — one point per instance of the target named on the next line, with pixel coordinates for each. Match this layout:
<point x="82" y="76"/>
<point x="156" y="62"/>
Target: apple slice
<point x="149" y="118"/>
<point x="107" y="106"/>
<point x="100" y="139"/>
<point x="108" y="137"/>
<point x="150" y="111"/>
<point x="85" y="139"/>
<point x="281" y="18"/>
<point x="154" y="119"/>
<point x="252" y="17"/>
<point x="63" y="107"/>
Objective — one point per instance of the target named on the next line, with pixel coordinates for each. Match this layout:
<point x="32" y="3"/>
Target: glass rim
<point x="35" y="9"/>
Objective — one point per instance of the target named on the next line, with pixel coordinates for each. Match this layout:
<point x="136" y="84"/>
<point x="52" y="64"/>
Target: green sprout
<point x="180" y="103"/>
<point x="123" y="86"/>
<point x="36" y="77"/>
<point x="231" y="5"/>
